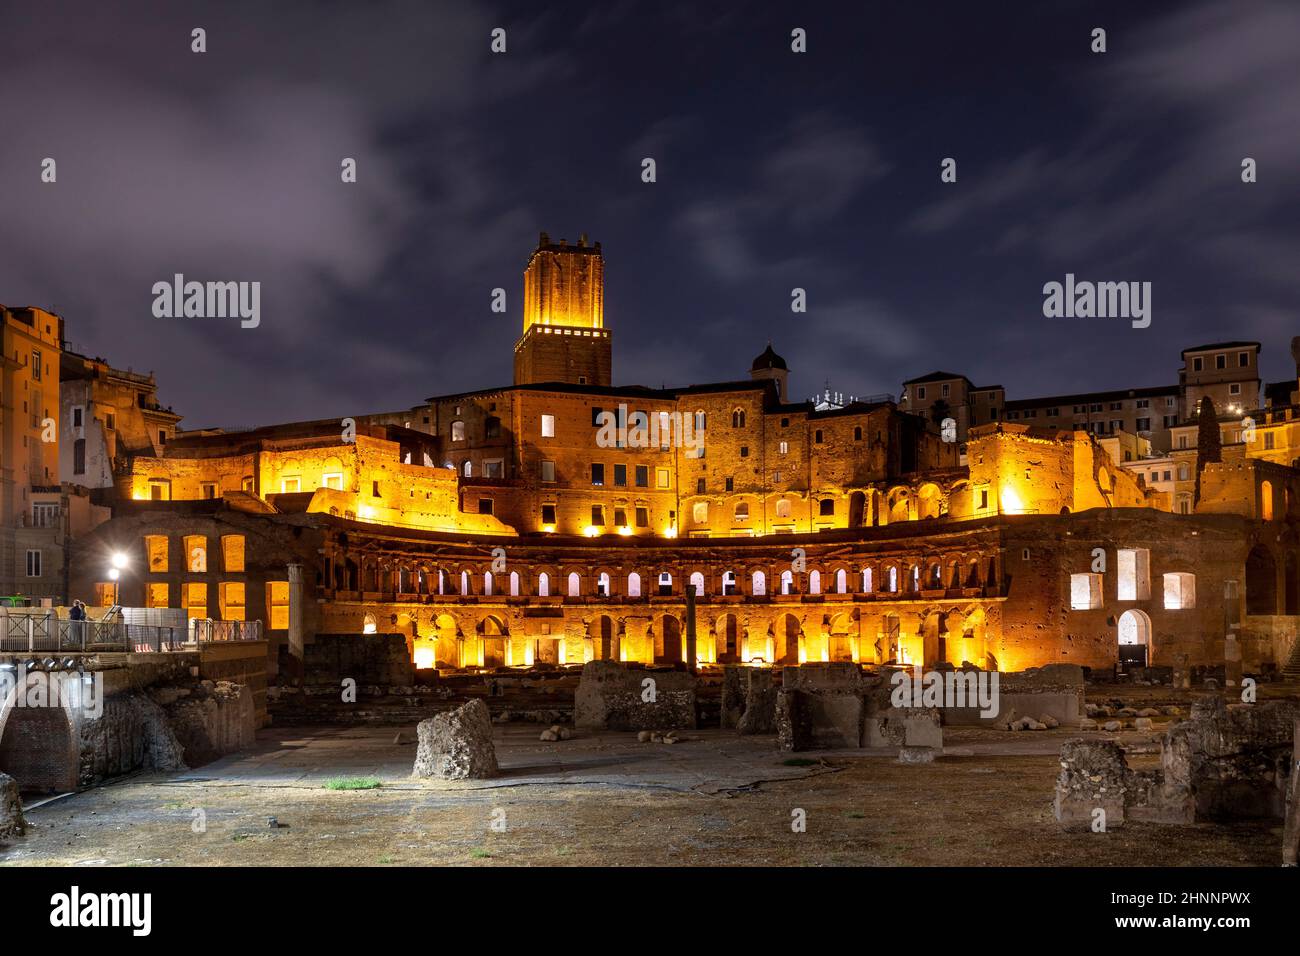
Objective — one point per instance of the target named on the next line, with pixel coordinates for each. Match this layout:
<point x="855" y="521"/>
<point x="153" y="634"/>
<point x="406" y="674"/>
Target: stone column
<point x="295" y="620"/>
<point x="690" y="627"/>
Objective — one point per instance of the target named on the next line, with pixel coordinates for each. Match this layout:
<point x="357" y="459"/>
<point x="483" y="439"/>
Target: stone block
<point x="457" y="745"/>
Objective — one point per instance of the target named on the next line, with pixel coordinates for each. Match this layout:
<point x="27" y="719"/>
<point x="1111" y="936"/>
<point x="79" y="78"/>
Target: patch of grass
<point x="385" y="859"/>
<point x="480" y="854"/>
<point x="353" y="783"/>
<point x="240" y="837"/>
<point x="799" y="762"/>
<point x="174" y="806"/>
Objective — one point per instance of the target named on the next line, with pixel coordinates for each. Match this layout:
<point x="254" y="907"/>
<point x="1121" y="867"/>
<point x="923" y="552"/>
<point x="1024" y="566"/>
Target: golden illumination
<point x="591" y="531"/>
<point x="424" y="658"/>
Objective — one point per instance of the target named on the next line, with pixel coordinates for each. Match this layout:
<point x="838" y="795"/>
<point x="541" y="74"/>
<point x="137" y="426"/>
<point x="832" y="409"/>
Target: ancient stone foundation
<point x="457" y="745"/>
<point x="1291" y="831"/>
<point x="616" y="696"/>
<point x="12" y="823"/>
<point x="749" y="700"/>
<point x="833" y="706"/>
<point x="1224" y="763"/>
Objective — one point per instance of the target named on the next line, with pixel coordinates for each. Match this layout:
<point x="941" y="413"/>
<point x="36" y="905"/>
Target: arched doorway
<point x="842" y="637"/>
<point x="727" y="640"/>
<point x="787" y="632"/>
<point x="603" y="645"/>
<point x="1261" y="581"/>
<point x="857" y="508"/>
<point x="446" y="647"/>
<point x="38" y="750"/>
<point x="668" y="642"/>
<point x="1134" y="639"/>
<point x="493" y="638"/>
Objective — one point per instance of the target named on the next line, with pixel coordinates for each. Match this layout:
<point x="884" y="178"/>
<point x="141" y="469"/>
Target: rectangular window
<point x="1198" y="364"/>
<point x="642" y="517"/>
<point x="699" y="486"/>
<point x="36" y="365"/>
<point x="494" y="468"/>
<point x="548" y="470"/>
<point x="1243" y="359"/>
<point x="485" y="506"/>
<point x="277" y="605"/>
<point x="457" y="431"/>
<point x="597" y="474"/>
<point x="232" y="552"/>
<point x="620" y="518"/>
<point x="1180" y="591"/>
<point x="208" y="489"/>
<point x="162" y="437"/>
<point x="333" y="480"/>
<point x="598" y="515"/>
<point x="45" y="514"/>
<point x="1085" y="592"/>
<point x="662" y="477"/>
<point x="620" y="476"/>
<point x="76" y="416"/>
<point x="155" y="549"/>
<point x="290" y="485"/>
<point x="548" y="514"/>
<point x="33" y="564"/>
<point x="157" y="594"/>
<point x="1220" y="361"/>
<point x="194" y="598"/>
<point x="1134" y="565"/>
<point x="230" y="598"/>
<point x="643" y="476"/>
<point x="548" y="426"/>
<point x="79" y="456"/>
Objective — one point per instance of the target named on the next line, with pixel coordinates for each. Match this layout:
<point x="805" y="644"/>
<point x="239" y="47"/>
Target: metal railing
<point x="46" y="633"/>
<point x="203" y="630"/>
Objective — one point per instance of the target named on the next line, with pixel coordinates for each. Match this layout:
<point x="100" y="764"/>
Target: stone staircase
<point x="1291" y="669"/>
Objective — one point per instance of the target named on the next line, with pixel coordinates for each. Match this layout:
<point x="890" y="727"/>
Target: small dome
<point x="768" y="359"/>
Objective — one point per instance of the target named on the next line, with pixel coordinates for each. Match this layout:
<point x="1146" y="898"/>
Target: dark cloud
<point x="776" y="170"/>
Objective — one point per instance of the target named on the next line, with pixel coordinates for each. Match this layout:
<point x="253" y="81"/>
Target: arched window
<point x="634" y="585"/>
<point x="787" y="582"/>
<point x="758" y="582"/>
<point x="742" y="512"/>
<point x="602" y="585"/>
<point x="841" y="581"/>
<point x="867" y="583"/>
<point x="814" y="582"/>
<point x="738" y="418"/>
<point x="783" y="508"/>
<point x="514" y="584"/>
<point x="697" y="583"/>
<point x="543" y="585"/>
<point x="728" y="582"/>
<point x="575" y="584"/>
<point x="665" y="583"/>
<point x="487" y="582"/>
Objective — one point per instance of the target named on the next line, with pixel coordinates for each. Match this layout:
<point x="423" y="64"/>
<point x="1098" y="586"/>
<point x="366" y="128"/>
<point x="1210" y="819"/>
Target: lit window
<point x="548" y="426"/>
<point x="1180" y="591"/>
<point x="333" y="480"/>
<point x="1134" y="566"/>
<point x="1085" y="592"/>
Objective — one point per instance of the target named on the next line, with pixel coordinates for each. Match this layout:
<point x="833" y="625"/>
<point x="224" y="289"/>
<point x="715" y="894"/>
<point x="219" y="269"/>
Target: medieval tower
<point x="564" y="338"/>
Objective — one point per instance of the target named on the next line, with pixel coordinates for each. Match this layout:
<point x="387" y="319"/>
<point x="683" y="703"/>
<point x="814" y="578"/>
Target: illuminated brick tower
<point x="565" y="339"/>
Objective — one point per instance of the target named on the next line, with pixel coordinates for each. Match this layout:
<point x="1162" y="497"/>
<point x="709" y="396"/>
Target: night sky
<point x="775" y="170"/>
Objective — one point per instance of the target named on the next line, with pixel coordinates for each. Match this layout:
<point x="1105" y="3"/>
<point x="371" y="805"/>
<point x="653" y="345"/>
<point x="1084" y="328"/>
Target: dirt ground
<point x="986" y="803"/>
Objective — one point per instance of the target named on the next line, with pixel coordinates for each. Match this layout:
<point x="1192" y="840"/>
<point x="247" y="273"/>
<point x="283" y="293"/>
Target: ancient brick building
<point x="563" y="518"/>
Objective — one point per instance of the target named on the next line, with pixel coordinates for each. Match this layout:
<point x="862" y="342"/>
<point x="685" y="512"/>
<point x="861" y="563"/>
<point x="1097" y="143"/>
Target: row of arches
<point x="888" y="576"/>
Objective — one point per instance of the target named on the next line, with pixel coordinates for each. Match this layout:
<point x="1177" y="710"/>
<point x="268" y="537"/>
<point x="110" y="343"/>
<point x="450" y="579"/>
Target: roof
<point x="768" y="359"/>
<point x="1082" y="398"/>
<point x="937" y="377"/>
<point x="1221" y="345"/>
